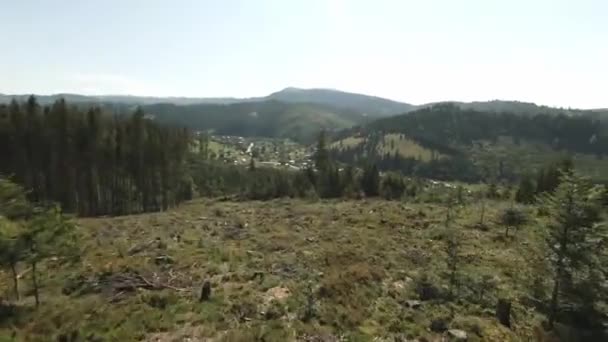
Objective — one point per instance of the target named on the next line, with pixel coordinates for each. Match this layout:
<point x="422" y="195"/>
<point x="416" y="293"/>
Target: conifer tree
<point x="525" y="191"/>
<point x="370" y="181"/>
<point x="574" y="242"/>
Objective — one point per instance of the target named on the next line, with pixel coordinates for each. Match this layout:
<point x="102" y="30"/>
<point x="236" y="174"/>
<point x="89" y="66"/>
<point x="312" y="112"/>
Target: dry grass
<point x="355" y="262"/>
<point x="347" y="143"/>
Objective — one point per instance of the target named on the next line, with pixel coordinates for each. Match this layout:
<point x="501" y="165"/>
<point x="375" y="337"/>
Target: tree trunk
<point x="15" y="281"/>
<point x="35" y="284"/>
<point x="554" y="303"/>
<point x="503" y="312"/>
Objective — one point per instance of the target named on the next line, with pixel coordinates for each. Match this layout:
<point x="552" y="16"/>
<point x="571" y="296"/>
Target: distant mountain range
<point x="119" y="99"/>
<point x="368" y="105"/>
<point x="372" y="106"/>
<point x="292" y="112"/>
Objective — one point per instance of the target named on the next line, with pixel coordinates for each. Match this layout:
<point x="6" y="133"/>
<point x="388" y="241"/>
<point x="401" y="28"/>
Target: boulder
<point x="457" y="334"/>
<point x="413" y="304"/>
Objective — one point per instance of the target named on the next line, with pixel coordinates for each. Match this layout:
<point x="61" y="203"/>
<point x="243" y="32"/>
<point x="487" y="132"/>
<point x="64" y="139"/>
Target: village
<point x="265" y="152"/>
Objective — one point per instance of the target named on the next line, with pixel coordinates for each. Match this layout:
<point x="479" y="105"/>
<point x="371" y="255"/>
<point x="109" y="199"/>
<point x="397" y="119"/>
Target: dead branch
<point x="139" y="247"/>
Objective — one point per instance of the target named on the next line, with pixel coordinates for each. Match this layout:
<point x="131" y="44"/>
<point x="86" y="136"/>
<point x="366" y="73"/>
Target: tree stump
<point x="205" y="291"/>
<point x="503" y="312"/>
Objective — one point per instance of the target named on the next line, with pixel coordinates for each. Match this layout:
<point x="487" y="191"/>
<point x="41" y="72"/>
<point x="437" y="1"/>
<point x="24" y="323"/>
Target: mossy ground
<point x="287" y="270"/>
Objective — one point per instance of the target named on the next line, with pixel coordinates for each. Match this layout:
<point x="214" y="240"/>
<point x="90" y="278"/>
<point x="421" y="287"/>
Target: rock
<point x="457" y="334"/>
<point x="280" y="294"/>
<point x="503" y="312"/>
<point x="413" y="304"/>
<point x="399" y="285"/>
<point x="205" y="291"/>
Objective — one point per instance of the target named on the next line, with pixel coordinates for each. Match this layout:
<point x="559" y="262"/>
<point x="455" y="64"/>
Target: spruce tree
<point x="370" y="181"/>
<point x="525" y="191"/>
<point x="322" y="162"/>
<point x="574" y="242"/>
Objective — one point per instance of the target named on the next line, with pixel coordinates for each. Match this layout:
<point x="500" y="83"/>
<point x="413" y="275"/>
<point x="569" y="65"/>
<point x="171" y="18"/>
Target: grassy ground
<point x="283" y="270"/>
<point x="391" y="144"/>
<point x="405" y="147"/>
<point x="349" y="142"/>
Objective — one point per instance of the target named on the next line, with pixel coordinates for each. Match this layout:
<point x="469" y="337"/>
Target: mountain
<point x="371" y="105"/>
<point x="298" y="121"/>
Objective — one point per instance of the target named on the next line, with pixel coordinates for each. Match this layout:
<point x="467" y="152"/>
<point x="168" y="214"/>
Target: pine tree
<point x="48" y="234"/>
<point x="11" y="251"/>
<point x="574" y="241"/>
<point x="322" y="161"/>
<point x="91" y="163"/>
<point x="525" y="191"/>
<point x="370" y="181"/>
<point x="393" y="186"/>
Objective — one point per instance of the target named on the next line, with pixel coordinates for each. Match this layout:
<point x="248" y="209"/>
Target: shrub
<point x="512" y="217"/>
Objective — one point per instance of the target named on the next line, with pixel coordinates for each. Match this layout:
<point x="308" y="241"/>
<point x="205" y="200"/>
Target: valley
<point x="303" y="171"/>
<point x="289" y="221"/>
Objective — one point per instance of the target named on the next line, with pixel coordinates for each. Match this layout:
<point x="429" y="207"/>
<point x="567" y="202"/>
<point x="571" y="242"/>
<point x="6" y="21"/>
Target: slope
<point x="298" y="121"/>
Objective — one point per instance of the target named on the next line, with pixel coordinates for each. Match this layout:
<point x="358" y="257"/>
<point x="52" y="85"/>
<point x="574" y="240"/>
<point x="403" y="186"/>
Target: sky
<point x="552" y="52"/>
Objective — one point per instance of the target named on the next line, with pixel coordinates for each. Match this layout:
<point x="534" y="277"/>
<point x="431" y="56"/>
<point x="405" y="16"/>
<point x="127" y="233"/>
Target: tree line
<point x="91" y="162"/>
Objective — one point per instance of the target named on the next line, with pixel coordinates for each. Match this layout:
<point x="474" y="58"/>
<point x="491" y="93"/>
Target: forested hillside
<point x="514" y="107"/>
<point x="91" y="162"/>
<point x="372" y="106"/>
<point x="464" y="143"/>
<point x="297" y="121"/>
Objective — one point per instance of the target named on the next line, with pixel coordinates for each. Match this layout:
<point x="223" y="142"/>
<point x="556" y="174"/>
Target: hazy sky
<point x="552" y="52"/>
